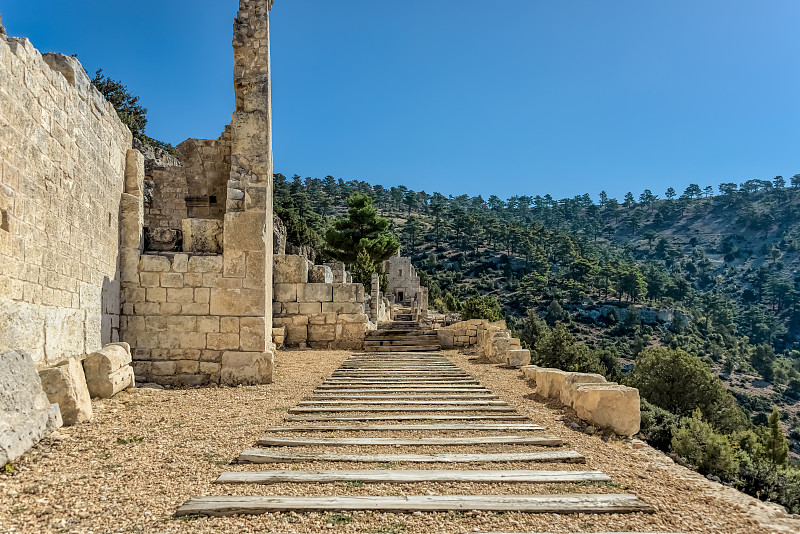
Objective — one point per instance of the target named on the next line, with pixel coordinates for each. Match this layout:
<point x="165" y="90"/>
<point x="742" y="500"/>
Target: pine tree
<point x="776" y="444"/>
<point x="361" y="231"/>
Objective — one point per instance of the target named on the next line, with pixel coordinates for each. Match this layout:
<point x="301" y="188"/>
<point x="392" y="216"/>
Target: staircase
<point x="402" y="335"/>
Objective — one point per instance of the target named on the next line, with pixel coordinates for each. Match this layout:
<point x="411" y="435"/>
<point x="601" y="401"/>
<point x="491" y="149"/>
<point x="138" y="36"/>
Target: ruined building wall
<point x="62" y="164"/>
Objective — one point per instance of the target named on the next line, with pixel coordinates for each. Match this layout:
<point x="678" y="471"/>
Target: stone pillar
<point x="248" y="230"/>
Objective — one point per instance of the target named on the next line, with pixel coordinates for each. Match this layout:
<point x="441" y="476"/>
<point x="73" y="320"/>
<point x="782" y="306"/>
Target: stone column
<point x="248" y="218"/>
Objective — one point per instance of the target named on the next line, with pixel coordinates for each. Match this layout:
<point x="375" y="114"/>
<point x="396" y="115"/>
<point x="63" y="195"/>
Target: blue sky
<point x="461" y="96"/>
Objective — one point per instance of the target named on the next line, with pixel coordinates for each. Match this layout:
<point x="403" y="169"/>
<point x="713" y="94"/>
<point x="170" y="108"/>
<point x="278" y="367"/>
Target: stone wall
<point x="63" y="153"/>
<point x="492" y="340"/>
<point x="321" y="315"/>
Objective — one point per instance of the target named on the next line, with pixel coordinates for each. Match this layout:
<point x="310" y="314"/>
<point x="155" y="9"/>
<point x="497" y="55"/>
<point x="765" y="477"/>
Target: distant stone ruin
<point x="404" y="286"/>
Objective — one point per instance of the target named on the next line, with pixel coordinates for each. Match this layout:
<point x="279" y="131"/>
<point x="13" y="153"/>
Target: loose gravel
<point x="148" y="450"/>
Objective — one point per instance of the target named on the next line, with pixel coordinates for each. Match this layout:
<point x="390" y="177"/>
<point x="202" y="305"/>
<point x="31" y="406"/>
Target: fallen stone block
<point x="320" y="274"/>
<point x="289" y="269"/>
<point x="549" y="382"/>
<point x="518" y="357"/>
<point x="65" y="384"/>
<point x="609" y="406"/>
<point x="108" y="371"/>
<point x="573" y="380"/>
<point x="26" y="415"/>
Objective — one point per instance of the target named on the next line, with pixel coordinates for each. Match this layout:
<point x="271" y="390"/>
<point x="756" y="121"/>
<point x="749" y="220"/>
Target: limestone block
<point x="351" y="332"/>
<point x="354" y="318"/>
<point x="499" y="346"/>
<point x="289" y="269"/>
<point x="245" y="231"/>
<point x="549" y="382"/>
<point x="342" y="307"/>
<point x="205" y="264"/>
<point x="246" y="368"/>
<point x="338" y="272"/>
<point x="573" y="380"/>
<point x="65" y="384"/>
<point x="253" y="334"/>
<point x="518" y="357"/>
<point x="26" y="415"/>
<point x="134" y="172"/>
<point x="348" y="293"/>
<point x="321" y="332"/>
<point x="320" y="274"/>
<point x="202" y="235"/>
<point x="162" y="239"/>
<point x="238" y="302"/>
<point x="284" y="292"/>
<point x="529" y="372"/>
<point x="278" y="335"/>
<point x="310" y="308"/>
<point x="108" y="371"/>
<point x="296" y="335"/>
<point x="610" y="406"/>
<point x="446" y="338"/>
<point x="315" y="293"/>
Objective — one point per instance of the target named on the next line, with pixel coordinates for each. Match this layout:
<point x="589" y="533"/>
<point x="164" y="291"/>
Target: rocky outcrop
<point x="65" y="384"/>
<point x="155" y="157"/>
<point x="26" y="415"/>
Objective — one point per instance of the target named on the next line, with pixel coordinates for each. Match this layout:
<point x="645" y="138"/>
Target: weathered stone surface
<point x="202" y="235"/>
<point x="320" y="274"/>
<point x="108" y="371"/>
<point x="549" y="382"/>
<point x="342" y="307"/>
<point x="529" y="372"/>
<point x="571" y="383"/>
<point x="289" y="269"/>
<point x="26" y="415"/>
<point x="445" y="338"/>
<point x="315" y="293"/>
<point x="285" y="292"/>
<point x="518" y="357"/>
<point x="278" y="236"/>
<point x="65" y="384"/>
<point x="338" y="272"/>
<point x="246" y="368"/>
<point x="609" y="406"/>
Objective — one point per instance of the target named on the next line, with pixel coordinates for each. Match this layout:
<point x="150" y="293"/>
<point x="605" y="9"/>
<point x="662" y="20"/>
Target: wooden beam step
<point x="397" y="476"/>
<point x="405" y="348"/>
<point x="265" y="456"/>
<point x="401" y="391"/>
<point x="396" y="397"/>
<point x="407" y="417"/>
<point x="509" y="427"/>
<point x="400" y="408"/>
<point x="556" y="504"/>
<point x="539" y="441"/>
<point x="481" y="402"/>
<point x="399" y="380"/>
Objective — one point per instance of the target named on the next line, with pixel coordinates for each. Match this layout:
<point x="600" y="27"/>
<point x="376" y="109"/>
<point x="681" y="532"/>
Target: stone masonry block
<point x="315" y="293"/>
<point x="205" y="264"/>
<point x="66" y="385"/>
<point x="610" y="406"/>
<point x="245" y="231"/>
<point x="284" y="292"/>
<point x="202" y="235"/>
<point x="347" y="293"/>
<point x="253" y="334"/>
<point x="320" y="274"/>
<point x="238" y="302"/>
<point x="154" y="263"/>
<point x="246" y="368"/>
<point x="108" y="371"/>
<point x="321" y="332"/>
<point x="342" y="307"/>
<point x="289" y="269"/>
<point x="573" y="380"/>
<point x="310" y="308"/>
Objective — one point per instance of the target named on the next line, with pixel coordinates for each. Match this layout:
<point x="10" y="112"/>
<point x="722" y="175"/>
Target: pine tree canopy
<point x="361" y="230"/>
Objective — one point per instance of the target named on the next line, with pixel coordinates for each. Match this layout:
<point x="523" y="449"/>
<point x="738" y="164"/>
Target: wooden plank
<point x="433" y="388"/>
<point x="507" y="427"/>
<point x="396" y="397"/>
<point x="391" y="380"/>
<point x="556" y="504"/>
<point x="397" y="476"/>
<point x="408" y="417"/>
<point x="540" y="441"/>
<point x="400" y="408"/>
<point x="265" y="456"/>
<point x="482" y="402"/>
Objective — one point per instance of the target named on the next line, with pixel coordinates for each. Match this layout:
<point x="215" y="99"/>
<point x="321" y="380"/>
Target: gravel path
<point x="147" y="451"/>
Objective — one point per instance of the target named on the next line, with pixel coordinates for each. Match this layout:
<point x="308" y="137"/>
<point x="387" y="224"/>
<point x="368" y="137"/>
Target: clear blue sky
<point x="463" y="96"/>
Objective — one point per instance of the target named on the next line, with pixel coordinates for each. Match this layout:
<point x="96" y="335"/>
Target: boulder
<point x="108" y="371"/>
<point x="66" y="384"/>
<point x="518" y="357"/>
<point x="573" y="380"/>
<point x="609" y="406"/>
<point x="549" y="382"/>
<point x="26" y="415"/>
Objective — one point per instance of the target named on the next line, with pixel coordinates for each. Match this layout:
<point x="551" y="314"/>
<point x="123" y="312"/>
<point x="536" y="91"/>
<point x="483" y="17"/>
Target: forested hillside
<point x="597" y="283"/>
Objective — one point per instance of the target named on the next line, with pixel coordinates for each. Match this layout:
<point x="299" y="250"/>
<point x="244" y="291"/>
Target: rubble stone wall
<point x="62" y="165"/>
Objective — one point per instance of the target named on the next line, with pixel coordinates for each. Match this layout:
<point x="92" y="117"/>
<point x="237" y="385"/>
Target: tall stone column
<point x="248" y="217"/>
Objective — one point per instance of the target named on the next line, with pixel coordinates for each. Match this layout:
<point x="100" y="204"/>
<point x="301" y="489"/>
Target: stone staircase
<point x="402" y="335"/>
<point x="464" y="432"/>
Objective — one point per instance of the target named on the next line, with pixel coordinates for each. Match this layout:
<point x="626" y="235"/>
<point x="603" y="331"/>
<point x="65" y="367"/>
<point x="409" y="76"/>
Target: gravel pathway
<point x="147" y="451"/>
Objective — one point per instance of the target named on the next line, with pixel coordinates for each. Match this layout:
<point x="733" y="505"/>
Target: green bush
<point x="481" y="307"/>
<point x="709" y="452"/>
<point x="658" y="425"/>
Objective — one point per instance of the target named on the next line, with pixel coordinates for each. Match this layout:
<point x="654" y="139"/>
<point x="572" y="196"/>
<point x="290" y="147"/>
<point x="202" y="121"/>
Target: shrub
<point x="481" y="307"/>
<point x="710" y="452"/>
<point x="658" y="425"/>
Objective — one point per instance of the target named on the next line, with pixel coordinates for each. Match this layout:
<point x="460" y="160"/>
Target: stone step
<point x="396" y="476"/>
<point x="406" y="408"/>
<point x="263" y="456"/>
<point x="509" y="427"/>
<point x="426" y="402"/>
<point x="407" y="348"/>
<point x="405" y="417"/>
<point x="396" y="397"/>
